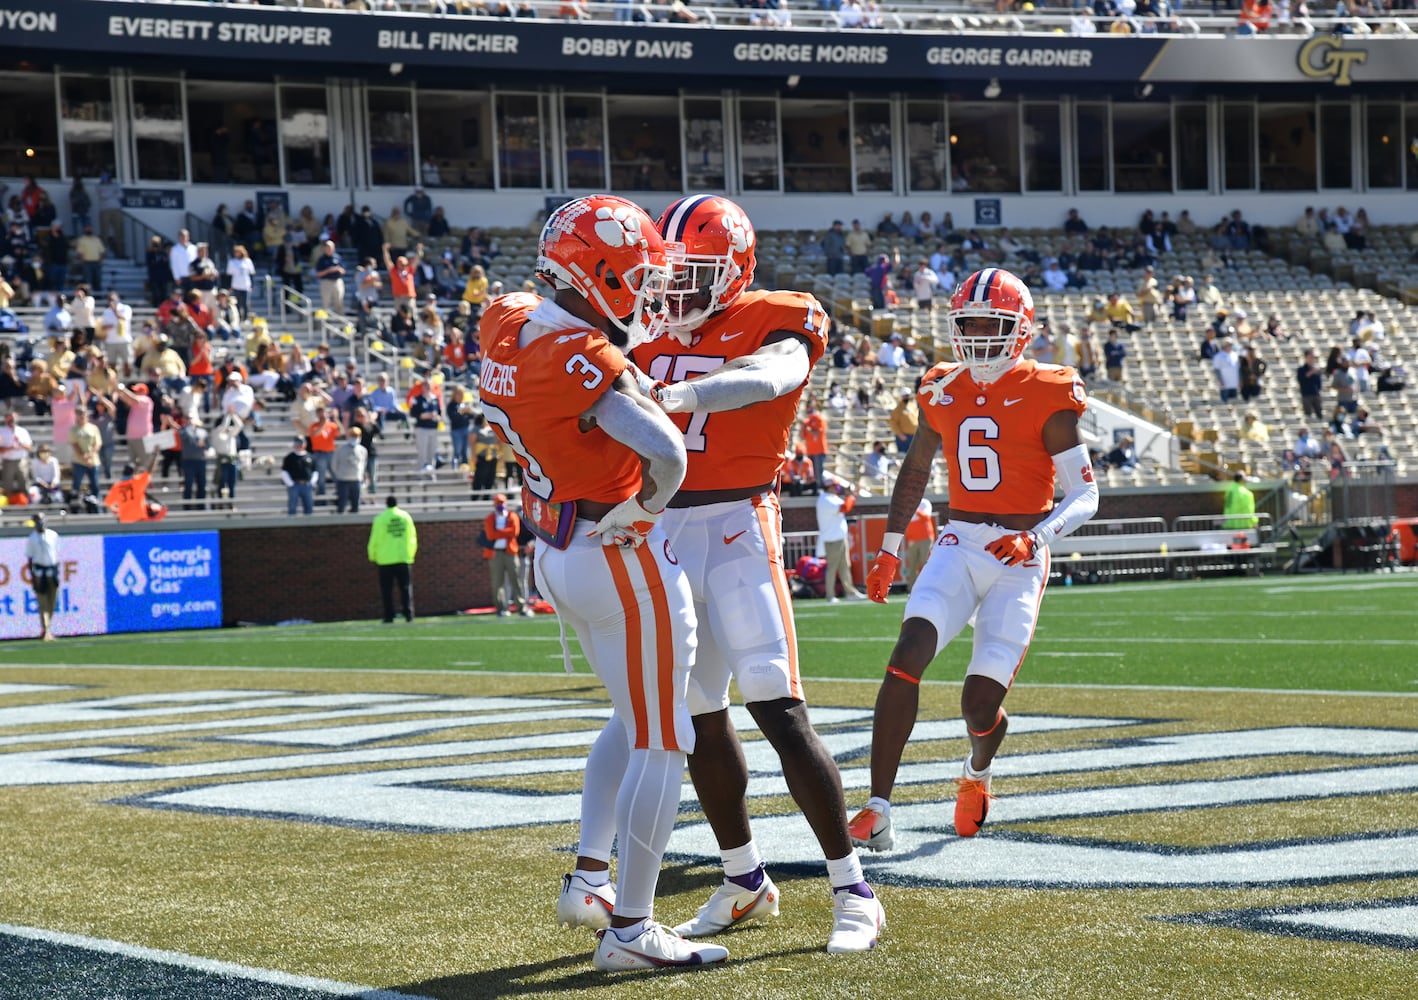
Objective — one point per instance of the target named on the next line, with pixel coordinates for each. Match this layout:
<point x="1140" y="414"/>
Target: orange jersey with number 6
<point x="992" y="435"/>
<point x="733" y="449"/>
<point x="534" y="397"/>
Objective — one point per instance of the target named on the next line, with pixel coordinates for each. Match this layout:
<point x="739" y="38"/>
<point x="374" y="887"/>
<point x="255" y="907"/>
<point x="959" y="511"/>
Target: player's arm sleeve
<point x="645" y="430"/>
<point x="769" y="372"/>
<point x="1080" y="499"/>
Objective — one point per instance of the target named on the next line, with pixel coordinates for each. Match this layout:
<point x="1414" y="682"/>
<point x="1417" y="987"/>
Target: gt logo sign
<point x="1325" y="58"/>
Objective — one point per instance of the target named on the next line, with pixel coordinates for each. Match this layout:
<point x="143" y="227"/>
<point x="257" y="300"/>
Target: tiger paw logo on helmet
<point x="619" y="227"/>
<point x="740" y="233"/>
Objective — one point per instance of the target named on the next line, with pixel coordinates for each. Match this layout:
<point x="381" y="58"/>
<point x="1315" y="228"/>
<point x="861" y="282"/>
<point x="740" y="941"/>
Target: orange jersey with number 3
<point x="992" y="436"/>
<point x="733" y="449"/>
<point x="534" y="397"/>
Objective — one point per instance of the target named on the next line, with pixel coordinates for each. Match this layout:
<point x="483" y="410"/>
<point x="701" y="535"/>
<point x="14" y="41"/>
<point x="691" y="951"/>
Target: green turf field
<point x="1210" y="789"/>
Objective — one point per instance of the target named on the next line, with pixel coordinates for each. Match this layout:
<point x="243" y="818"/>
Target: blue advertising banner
<point x="160" y="582"/>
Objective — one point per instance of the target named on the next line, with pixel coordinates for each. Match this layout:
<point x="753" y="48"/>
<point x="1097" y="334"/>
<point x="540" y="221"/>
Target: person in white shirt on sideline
<point x="834" y="503"/>
<point x="42" y="560"/>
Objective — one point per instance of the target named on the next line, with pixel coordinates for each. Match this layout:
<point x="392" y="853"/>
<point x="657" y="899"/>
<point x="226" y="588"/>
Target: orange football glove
<point x="883" y="572"/>
<point x="1014" y="549"/>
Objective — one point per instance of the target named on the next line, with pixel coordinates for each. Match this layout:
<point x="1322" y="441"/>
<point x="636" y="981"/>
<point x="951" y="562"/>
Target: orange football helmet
<point x="717" y="266"/>
<point x="996" y="295"/>
<point x="607" y="250"/>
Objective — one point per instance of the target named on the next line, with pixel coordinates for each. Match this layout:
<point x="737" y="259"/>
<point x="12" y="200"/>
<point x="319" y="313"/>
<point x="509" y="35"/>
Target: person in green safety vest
<point x="1239" y="508"/>
<point x="393" y="543"/>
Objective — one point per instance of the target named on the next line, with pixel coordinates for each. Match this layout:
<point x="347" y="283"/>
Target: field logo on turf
<point x="427" y="763"/>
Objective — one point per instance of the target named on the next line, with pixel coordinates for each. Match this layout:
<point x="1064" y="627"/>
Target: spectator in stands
<point x="797" y="475"/>
<point x="879" y="281"/>
<point x="1120" y="313"/>
<point x="485" y="448"/>
<point x="1123" y="456"/>
<point x="12" y="385"/>
<point x="180" y="258"/>
<point x="397" y="233"/>
<point x="1345" y="385"/>
<point x="139" y="424"/>
<point x="16" y="447"/>
<point x="1086" y="356"/>
<point x="834" y="247"/>
<point x="1306" y="447"/>
<point x="924" y="283"/>
<point x="402" y="277"/>
<point x="1074" y="224"/>
<point x="1253" y="369"/>
<point x="288" y="265"/>
<point x="1114" y="352"/>
<point x="814" y="439"/>
<point x="876" y="467"/>
<point x="382" y="403"/>
<point x="324" y="435"/>
<point x="348" y="469"/>
<point x="297" y="472"/>
<point x="418" y="207"/>
<point x="459" y="421"/>
<point x="845" y="354"/>
<point x="858" y="243"/>
<point x="46" y="477"/>
<point x="426" y="412"/>
<point x="85" y="442"/>
<point x="866" y="353"/>
<point x="892" y="355"/>
<point x="1149" y="295"/>
<point x="1310" y="379"/>
<point x="331" y="272"/>
<point x="1361" y="361"/>
<point x="1253" y="429"/>
<point x="193" y="438"/>
<point x="1211" y="341"/>
<point x="903" y="421"/>
<point x="1227" y="364"/>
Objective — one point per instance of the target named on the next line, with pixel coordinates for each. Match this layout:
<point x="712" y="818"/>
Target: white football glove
<point x="626" y="524"/>
<point x="680" y="397"/>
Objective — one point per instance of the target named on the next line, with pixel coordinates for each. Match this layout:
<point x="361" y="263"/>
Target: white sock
<point x="973" y="774"/>
<point x="741" y="860"/>
<point x="844" y="871"/>
<point x="879" y="805"/>
<point x="628" y="934"/>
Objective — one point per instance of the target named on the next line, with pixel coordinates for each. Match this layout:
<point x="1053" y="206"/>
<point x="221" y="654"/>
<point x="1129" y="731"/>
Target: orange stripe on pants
<point x="664" y="647"/>
<point x="768" y="522"/>
<point x="634" y="663"/>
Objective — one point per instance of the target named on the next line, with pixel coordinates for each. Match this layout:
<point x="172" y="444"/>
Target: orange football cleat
<point x="872" y="830"/>
<point x="972" y="804"/>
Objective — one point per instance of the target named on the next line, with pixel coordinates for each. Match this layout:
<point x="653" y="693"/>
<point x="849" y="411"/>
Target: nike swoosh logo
<point x="738" y="913"/>
<point x="730" y="539"/>
<point x="730" y="336"/>
<point x="1011" y="402"/>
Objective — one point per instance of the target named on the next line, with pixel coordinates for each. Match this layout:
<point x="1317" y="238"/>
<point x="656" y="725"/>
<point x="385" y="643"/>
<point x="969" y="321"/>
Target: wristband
<point x="891" y="543"/>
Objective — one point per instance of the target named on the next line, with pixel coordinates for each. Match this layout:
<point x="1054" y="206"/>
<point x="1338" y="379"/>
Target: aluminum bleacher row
<point x="1163" y="379"/>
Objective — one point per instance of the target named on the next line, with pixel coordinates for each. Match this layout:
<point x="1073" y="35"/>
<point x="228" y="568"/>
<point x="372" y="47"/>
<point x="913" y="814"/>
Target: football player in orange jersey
<point x="730" y="373"/>
<point x="1009" y="429"/>
<point x="601" y="459"/>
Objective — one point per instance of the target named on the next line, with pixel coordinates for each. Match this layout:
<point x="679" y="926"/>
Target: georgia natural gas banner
<point x="118" y="583"/>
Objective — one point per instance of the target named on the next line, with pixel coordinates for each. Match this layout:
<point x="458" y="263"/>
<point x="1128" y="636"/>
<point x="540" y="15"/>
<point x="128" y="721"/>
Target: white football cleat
<point x="857" y="921"/>
<point x="656" y="947"/>
<point x="584" y="905"/>
<point x="730" y="906"/>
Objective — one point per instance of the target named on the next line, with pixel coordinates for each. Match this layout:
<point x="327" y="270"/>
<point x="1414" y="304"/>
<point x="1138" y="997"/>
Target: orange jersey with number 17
<point x="733" y="449"/>
<point x="534" y="397"/>
<point x="992" y="435"/>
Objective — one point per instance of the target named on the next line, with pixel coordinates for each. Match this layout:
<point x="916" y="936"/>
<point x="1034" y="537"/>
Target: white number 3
<point x="578" y="363"/>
